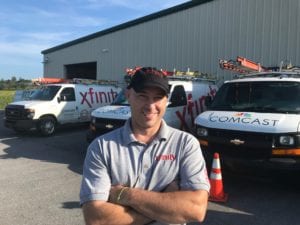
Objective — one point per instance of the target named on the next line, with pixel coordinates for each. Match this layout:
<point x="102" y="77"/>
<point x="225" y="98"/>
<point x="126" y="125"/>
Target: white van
<point x="57" y="104"/>
<point x="254" y="122"/>
<point x="186" y="101"/>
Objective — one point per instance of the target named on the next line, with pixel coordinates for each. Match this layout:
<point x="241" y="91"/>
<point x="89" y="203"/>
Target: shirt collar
<point x="128" y="136"/>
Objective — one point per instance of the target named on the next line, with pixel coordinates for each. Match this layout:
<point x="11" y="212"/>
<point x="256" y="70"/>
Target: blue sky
<point x="31" y="26"/>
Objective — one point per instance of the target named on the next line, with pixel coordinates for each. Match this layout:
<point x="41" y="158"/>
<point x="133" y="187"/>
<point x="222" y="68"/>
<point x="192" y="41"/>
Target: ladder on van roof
<point x="178" y="75"/>
<point x="245" y="66"/>
<point x="53" y="80"/>
<point x="48" y="80"/>
<point x="241" y="65"/>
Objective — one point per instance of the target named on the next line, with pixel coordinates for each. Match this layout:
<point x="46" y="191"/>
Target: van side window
<point x="67" y="95"/>
<point x="178" y="97"/>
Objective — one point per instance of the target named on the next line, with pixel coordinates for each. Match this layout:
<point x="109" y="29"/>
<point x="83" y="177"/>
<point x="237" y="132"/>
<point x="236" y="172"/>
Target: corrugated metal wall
<point x="265" y="31"/>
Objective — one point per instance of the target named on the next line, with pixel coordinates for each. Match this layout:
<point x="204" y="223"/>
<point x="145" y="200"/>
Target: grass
<point x="6" y="96"/>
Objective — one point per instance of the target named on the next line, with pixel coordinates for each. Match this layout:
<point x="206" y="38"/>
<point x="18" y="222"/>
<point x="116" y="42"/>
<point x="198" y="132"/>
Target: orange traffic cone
<point x="216" y="184"/>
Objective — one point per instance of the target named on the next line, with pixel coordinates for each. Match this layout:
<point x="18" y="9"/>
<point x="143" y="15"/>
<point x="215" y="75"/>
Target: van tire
<point x="47" y="126"/>
<point x="19" y="131"/>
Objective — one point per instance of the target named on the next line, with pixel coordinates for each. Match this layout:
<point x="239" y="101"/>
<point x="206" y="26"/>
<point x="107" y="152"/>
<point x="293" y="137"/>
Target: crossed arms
<point x="136" y="206"/>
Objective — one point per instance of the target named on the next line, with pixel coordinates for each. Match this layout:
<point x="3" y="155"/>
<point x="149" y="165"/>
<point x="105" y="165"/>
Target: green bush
<point x="6" y="96"/>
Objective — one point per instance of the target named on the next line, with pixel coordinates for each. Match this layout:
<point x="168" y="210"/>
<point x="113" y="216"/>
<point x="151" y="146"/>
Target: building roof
<point x="131" y="23"/>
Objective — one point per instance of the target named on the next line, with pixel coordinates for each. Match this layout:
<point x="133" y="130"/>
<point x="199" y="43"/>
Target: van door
<point x="67" y="102"/>
<point x="175" y="115"/>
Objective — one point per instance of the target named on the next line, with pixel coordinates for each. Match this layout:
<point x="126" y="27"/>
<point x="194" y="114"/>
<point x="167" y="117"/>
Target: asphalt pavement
<point x="40" y="181"/>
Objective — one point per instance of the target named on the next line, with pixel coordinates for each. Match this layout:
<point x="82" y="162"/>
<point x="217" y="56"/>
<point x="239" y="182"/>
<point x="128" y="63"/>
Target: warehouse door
<point x="81" y="70"/>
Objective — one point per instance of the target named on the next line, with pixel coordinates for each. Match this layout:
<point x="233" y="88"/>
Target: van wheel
<point x="47" y="126"/>
<point x="18" y="130"/>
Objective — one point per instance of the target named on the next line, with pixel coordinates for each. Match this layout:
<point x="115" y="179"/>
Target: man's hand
<point x="117" y="194"/>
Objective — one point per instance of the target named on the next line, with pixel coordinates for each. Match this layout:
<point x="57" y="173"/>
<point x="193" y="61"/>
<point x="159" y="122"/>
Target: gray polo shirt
<point x="118" y="158"/>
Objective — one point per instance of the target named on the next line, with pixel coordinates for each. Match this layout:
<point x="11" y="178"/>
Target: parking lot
<point x="40" y="179"/>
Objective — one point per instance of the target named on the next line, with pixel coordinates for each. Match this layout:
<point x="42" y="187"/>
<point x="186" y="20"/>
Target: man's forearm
<point x="99" y="212"/>
<point x="169" y="207"/>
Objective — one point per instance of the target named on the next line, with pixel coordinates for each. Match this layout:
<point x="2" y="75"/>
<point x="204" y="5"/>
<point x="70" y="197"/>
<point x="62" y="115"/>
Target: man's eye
<point x="158" y="98"/>
<point x="142" y="97"/>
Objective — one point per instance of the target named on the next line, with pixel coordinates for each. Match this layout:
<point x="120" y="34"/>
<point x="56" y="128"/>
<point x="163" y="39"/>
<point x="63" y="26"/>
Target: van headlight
<point x="202" y="132"/>
<point x="93" y="120"/>
<point x="286" y="140"/>
<point x="29" y="113"/>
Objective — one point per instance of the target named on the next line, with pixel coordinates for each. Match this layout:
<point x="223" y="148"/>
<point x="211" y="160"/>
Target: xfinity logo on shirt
<point x="170" y="157"/>
<point x="242" y="118"/>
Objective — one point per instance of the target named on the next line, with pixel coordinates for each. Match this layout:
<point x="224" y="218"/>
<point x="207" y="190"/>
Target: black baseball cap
<point x="149" y="77"/>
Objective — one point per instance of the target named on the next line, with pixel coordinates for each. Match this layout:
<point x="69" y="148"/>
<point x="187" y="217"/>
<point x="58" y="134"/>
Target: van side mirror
<point x="208" y="100"/>
<point x="58" y="99"/>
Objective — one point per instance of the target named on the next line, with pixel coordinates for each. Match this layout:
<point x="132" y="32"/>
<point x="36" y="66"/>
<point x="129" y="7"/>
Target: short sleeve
<point x="96" y="182"/>
<point x="193" y="172"/>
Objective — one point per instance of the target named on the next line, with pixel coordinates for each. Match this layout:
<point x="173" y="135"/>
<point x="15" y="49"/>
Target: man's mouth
<point x="147" y="114"/>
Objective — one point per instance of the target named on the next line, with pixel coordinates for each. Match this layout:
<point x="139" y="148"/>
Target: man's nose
<point x="150" y="103"/>
<point x="149" y="100"/>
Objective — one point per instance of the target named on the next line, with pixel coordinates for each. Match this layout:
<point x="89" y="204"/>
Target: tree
<point x="13" y="84"/>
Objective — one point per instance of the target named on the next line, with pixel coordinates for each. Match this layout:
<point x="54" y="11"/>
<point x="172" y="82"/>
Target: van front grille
<point x="14" y="112"/>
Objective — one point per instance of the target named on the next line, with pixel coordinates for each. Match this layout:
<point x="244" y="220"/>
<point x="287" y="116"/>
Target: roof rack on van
<point x="242" y="65"/>
<point x="192" y="78"/>
<point x="280" y="74"/>
<point x="179" y="75"/>
<point x="192" y="75"/>
<point x="53" y="80"/>
<point x="91" y="81"/>
<point x="295" y="69"/>
<point x="48" y="80"/>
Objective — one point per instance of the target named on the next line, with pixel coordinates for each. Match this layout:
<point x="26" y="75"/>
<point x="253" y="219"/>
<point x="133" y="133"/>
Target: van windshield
<point x="45" y="93"/>
<point x="269" y="97"/>
<point x="120" y="99"/>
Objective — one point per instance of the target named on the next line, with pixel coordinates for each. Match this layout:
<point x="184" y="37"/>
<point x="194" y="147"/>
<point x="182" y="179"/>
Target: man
<point x="145" y="172"/>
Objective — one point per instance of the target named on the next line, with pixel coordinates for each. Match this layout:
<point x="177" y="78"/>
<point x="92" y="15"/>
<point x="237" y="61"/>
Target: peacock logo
<point x="242" y="114"/>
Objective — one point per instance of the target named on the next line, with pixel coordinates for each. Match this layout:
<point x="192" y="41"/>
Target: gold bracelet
<point x="120" y="193"/>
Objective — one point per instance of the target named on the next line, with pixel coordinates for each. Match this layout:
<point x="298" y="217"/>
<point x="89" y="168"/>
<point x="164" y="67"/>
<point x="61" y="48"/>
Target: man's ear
<point x="127" y="93"/>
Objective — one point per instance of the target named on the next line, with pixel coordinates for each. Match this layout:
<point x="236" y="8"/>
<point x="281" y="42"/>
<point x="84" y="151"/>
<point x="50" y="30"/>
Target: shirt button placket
<point x="146" y="161"/>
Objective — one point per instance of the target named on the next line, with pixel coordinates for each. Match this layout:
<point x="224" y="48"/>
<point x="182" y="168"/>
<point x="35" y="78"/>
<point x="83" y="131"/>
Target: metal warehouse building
<point x="192" y="35"/>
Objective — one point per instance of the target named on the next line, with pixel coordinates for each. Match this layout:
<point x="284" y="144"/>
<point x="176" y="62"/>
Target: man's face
<point x="147" y="107"/>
